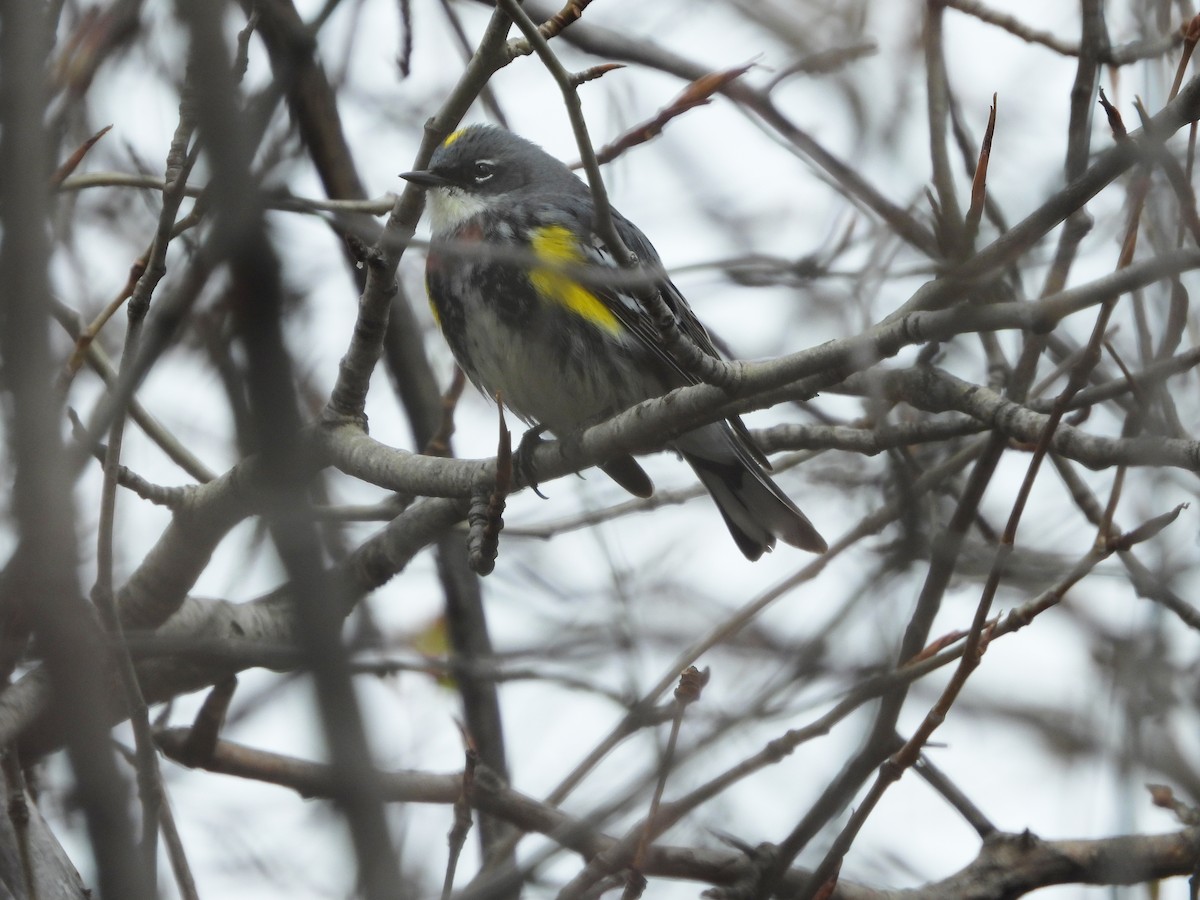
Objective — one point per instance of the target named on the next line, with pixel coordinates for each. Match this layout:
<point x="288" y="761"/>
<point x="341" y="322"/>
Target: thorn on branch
<point x="88" y="334"/>
<point x="1115" y="122"/>
<point x="73" y="161"/>
<point x="201" y="741"/>
<point x="1147" y="529"/>
<point x="504" y="454"/>
<point x="594" y="72"/>
<point x="979" y="183"/>
<point x="938" y="645"/>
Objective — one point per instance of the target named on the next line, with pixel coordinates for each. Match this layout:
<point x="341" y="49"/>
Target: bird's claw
<point x="523" y="458"/>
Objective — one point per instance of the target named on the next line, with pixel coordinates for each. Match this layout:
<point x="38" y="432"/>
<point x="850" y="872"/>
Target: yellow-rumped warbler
<point x="561" y="353"/>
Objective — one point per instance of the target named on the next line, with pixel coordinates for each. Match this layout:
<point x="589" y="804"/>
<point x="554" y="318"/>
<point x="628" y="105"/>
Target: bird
<point x="510" y="223"/>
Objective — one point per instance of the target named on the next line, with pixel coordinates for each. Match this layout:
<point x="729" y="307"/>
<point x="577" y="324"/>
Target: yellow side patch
<point x="453" y="136"/>
<point x="555" y="244"/>
<point x="437" y="320"/>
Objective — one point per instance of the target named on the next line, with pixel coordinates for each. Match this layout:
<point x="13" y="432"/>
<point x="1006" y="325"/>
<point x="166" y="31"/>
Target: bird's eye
<point x="484" y="170"/>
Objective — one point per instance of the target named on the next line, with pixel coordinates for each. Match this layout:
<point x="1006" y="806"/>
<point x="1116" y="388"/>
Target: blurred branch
<point x="1113" y="56"/>
<point x="1008" y="864"/>
<point x="613" y="45"/>
<point x="698" y="93"/>
<point x="39" y="591"/>
<point x="271" y="199"/>
<point x="981" y="360"/>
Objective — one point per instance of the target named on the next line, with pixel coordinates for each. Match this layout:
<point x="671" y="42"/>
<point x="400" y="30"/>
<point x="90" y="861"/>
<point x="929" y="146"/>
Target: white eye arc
<point x="483" y="171"/>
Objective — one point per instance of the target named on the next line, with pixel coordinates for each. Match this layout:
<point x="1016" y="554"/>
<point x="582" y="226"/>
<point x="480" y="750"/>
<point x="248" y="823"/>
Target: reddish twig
<point x="88" y="334"/>
<point x="698" y="93"/>
<point x="1191" y="35"/>
<point x="439" y="443"/>
<point x="551" y="28"/>
<point x="594" y="72"/>
<point x="73" y="161"/>
<point x="979" y="184"/>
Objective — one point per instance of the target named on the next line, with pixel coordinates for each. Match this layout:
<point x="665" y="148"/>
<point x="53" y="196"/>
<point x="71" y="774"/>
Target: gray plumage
<point x="562" y="354"/>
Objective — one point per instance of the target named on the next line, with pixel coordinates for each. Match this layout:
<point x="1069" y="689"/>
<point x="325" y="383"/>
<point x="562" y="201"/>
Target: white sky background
<point x="713" y="186"/>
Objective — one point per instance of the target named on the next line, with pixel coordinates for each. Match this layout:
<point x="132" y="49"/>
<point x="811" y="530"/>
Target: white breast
<point x="450" y="207"/>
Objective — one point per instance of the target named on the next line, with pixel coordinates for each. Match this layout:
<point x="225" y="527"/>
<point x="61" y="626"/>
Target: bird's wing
<point x="633" y="317"/>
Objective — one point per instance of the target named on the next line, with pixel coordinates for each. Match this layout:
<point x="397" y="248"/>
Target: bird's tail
<point x="755" y="510"/>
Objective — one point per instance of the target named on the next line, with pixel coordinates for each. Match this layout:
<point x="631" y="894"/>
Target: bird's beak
<point x="425" y="178"/>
